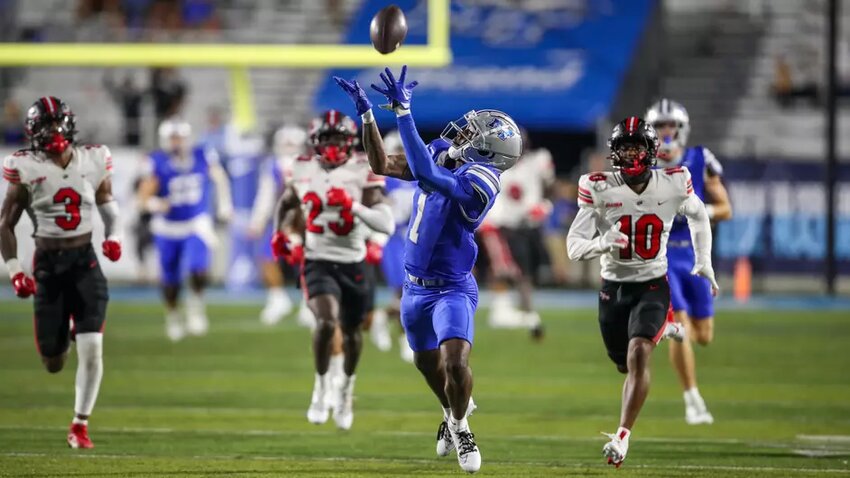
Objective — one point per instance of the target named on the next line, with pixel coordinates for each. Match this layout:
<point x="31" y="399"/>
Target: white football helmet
<point x="392" y="143"/>
<point x="484" y="136"/>
<point x="290" y="141"/>
<point x="173" y="129"/>
<point x="664" y="111"/>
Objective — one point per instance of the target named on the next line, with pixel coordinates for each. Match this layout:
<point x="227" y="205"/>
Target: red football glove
<point x="296" y="256"/>
<point x="374" y="253"/>
<point x="283" y="248"/>
<point x="112" y="249"/>
<point x="24" y="286"/>
<point x="339" y="197"/>
<point x="540" y="211"/>
<point x="279" y="246"/>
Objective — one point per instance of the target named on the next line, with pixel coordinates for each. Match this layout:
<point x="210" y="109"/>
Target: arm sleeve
<point x="112" y="226"/>
<point x="429" y="175"/>
<point x="264" y="202"/>
<point x="224" y="202"/>
<point x="700" y="226"/>
<point x="581" y="241"/>
<point x="712" y="165"/>
<point x="378" y="218"/>
<point x="11" y="172"/>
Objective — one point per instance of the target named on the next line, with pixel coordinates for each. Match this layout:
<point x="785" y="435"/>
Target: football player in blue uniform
<point x="690" y="295"/>
<point x="176" y="189"/>
<point x="458" y="176"/>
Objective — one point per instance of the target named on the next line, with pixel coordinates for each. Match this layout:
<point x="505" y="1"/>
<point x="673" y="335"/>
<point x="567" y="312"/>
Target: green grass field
<point x="233" y="403"/>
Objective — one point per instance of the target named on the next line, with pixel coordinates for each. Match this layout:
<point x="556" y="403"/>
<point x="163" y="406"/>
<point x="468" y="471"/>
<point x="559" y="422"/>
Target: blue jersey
<point x="441" y="232"/>
<point x="185" y="186"/>
<point x="700" y="161"/>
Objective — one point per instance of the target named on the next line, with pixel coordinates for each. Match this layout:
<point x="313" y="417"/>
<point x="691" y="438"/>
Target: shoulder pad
<point x="483" y="179"/>
<point x="598" y="181"/>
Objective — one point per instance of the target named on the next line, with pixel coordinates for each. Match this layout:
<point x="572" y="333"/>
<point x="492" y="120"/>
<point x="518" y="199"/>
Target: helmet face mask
<point x="672" y="121"/>
<point x="633" y="146"/>
<point x="50" y="125"/>
<point x="332" y="137"/>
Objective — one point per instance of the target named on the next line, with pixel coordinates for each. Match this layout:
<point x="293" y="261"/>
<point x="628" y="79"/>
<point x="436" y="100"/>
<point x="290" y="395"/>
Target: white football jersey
<point x="333" y="234"/>
<point x="523" y="188"/>
<point x="646" y="218"/>
<point x="61" y="199"/>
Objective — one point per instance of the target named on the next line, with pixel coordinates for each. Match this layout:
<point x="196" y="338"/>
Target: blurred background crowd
<point x="750" y="72"/>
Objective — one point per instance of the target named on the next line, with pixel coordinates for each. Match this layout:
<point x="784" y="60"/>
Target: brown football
<point x="388" y="29"/>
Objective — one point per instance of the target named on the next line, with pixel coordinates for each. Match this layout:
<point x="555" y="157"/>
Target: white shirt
<point x="61" y="199"/>
<point x="646" y="218"/>
<point x="333" y="234"/>
<point x="523" y="189"/>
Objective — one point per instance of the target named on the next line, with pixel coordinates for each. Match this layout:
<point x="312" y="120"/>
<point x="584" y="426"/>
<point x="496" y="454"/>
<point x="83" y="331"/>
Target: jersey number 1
<point x="646" y="240"/>
<point x="72" y="200"/>
<point x="413" y="235"/>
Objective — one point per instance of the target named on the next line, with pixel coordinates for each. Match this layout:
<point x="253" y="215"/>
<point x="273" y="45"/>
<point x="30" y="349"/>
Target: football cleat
<point x="277" y="307"/>
<point x="78" y="436"/>
<point x="379" y="332"/>
<point x="197" y="324"/>
<point x="344" y="406"/>
<point x="616" y="449"/>
<point x="174" y="326"/>
<point x="695" y="415"/>
<point x="407" y="353"/>
<point x="675" y="331"/>
<point x="319" y="411"/>
<point x="468" y="454"/>
<point x="445" y="443"/>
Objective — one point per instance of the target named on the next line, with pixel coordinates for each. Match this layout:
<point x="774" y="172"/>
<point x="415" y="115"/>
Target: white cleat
<point x="319" y="411"/>
<point x="174" y="329"/>
<point x="698" y="415"/>
<point x="675" y="331"/>
<point x="468" y="454"/>
<point x="344" y="406"/>
<point x="305" y="316"/>
<point x="197" y="324"/>
<point x="379" y="332"/>
<point x="445" y="443"/>
<point x="278" y="306"/>
<point x="506" y="318"/>
<point x="616" y="449"/>
<point x="406" y="351"/>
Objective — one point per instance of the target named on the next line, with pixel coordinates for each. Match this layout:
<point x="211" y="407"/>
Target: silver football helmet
<point x="666" y="111"/>
<point x="484" y="136"/>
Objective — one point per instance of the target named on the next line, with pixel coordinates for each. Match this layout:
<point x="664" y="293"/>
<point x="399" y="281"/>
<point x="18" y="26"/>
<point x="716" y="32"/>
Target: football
<point x="388" y="29"/>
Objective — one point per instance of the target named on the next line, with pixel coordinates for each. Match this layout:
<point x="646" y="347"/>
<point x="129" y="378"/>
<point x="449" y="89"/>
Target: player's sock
<point x="456" y="425"/>
<point x="380" y="331"/>
<point x="174" y="325"/>
<point x="336" y="370"/>
<point x="692" y="396"/>
<point x="79" y="421"/>
<point x="196" y="314"/>
<point x="89" y="371"/>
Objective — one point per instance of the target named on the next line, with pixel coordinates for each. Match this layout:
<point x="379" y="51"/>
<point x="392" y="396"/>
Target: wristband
<point x="368" y="117"/>
<point x="14" y="267"/>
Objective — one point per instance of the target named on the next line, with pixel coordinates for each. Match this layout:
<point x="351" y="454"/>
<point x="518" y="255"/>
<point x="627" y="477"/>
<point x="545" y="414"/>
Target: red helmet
<point x="50" y="125"/>
<point x="332" y="136"/>
<point x="633" y="145"/>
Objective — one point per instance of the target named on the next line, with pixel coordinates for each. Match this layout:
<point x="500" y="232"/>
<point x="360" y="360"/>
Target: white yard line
<point x="96" y="456"/>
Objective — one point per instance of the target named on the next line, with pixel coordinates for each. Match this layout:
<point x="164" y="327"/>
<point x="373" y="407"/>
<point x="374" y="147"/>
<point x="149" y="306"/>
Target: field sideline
<point x="233" y="403"/>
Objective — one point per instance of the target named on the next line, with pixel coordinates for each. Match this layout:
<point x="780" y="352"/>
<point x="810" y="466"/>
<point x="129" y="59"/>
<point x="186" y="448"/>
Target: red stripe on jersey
<point x="586" y="196"/>
<point x="583" y="191"/>
<point x="12" y="179"/>
<point x="584" y="199"/>
<point x="675" y="170"/>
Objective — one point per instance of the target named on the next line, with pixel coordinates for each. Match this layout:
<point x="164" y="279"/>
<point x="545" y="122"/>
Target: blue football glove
<point x="357" y="95"/>
<point x="397" y="92"/>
